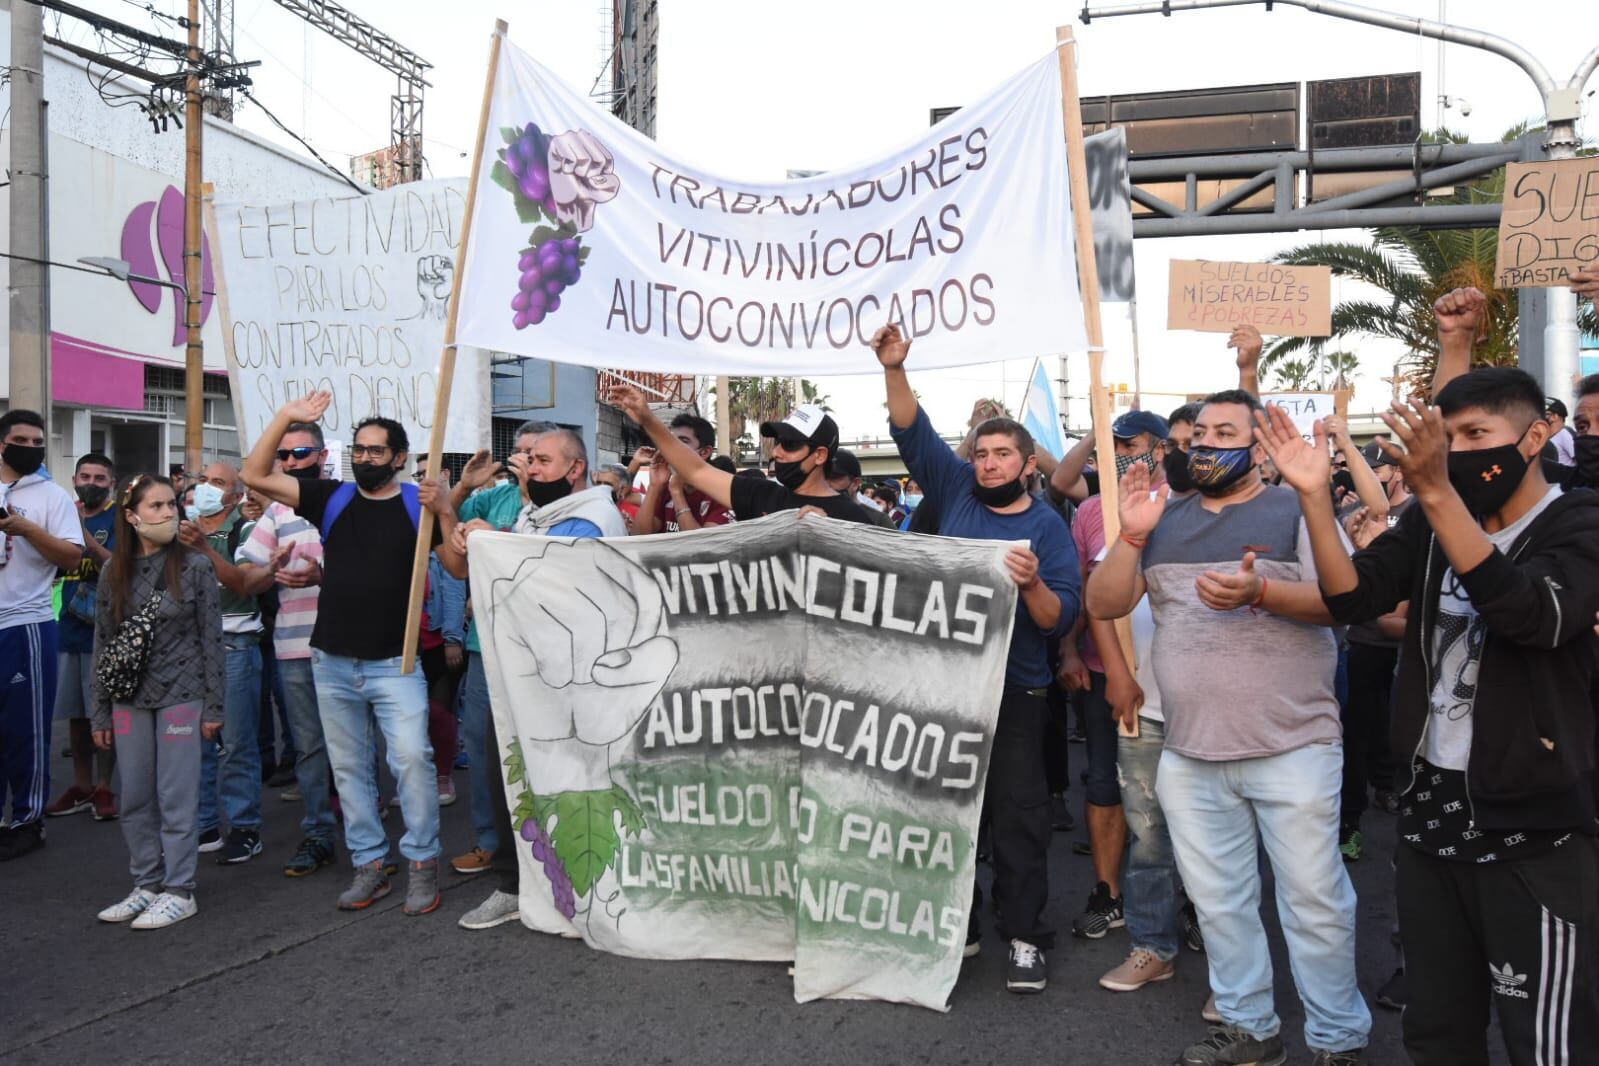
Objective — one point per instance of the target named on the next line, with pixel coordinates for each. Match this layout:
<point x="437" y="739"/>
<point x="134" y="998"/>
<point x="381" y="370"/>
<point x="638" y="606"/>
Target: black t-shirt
<point x="366" y="573"/>
<point x="757" y="497"/>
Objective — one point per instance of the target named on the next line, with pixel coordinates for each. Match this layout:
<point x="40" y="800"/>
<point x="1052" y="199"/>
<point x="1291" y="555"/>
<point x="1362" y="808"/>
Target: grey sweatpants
<point x="159" y="755"/>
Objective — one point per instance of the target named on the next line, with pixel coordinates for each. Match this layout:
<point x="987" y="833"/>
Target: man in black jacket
<point x="1500" y="868"/>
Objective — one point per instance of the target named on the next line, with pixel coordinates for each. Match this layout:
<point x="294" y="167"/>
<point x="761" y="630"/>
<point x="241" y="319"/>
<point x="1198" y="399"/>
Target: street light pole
<point x="1562" y="106"/>
<point x="194" y="351"/>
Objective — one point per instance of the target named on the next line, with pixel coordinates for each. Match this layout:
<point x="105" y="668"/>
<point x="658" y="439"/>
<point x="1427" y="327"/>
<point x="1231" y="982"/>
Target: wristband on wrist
<point x="1262" y="597"/>
<point x="1136" y="542"/>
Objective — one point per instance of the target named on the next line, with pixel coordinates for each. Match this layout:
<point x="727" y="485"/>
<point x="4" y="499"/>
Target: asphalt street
<point x="270" y="972"/>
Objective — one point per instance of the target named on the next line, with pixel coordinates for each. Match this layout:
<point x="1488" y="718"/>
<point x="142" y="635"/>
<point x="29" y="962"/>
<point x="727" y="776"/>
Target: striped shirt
<point x="278" y="528"/>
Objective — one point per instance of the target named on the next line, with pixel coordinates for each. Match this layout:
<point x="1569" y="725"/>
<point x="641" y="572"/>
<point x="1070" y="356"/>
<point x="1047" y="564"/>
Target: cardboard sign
<point x="1550" y="225"/>
<point x="1305" y="408"/>
<point x="1278" y="300"/>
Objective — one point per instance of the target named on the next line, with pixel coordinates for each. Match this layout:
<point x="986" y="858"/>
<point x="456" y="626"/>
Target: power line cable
<point x="303" y="142"/>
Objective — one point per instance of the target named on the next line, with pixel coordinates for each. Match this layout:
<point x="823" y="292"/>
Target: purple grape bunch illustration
<point x="556" y="183"/>
<point x="544" y="854"/>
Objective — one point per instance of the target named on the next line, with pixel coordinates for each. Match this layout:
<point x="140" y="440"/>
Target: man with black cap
<point x="805" y="444"/>
<point x="846" y="480"/>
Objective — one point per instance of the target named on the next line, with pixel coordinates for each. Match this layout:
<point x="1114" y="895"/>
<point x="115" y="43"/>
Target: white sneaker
<point x="166" y="910"/>
<point x="138" y="901"/>
<point x="498" y="909"/>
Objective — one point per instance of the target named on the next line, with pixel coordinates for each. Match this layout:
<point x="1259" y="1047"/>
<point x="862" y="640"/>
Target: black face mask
<point x="1487" y="479"/>
<point x="310" y="473"/>
<point x="792" y="474"/>
<point x="93" y="496"/>
<point x="544" y="493"/>
<point x="1343" y="479"/>
<point x="1175" y="464"/>
<point x="1000" y="495"/>
<point x="1588" y="461"/>
<point x="372" y="476"/>
<point x="25" y="459"/>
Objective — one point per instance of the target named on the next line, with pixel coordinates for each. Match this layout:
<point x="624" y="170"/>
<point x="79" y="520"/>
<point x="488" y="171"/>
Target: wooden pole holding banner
<point x="1088" y="283"/>
<point x="441" y="406"/>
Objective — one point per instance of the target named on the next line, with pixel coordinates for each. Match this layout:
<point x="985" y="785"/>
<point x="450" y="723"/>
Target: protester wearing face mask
<point x="670" y="504"/>
<point x="177" y="706"/>
<point x="846" y="481"/>
<point x="216" y="529"/>
<point x="1245" y="759"/>
<point x="283" y="551"/>
<point x="1139" y="439"/>
<point x="480" y="501"/>
<point x="1498" y="869"/>
<point x="40" y="534"/>
<point x="802" y="455"/>
<point x="553" y="473"/>
<point x="93" y="479"/>
<point x="986" y="499"/>
<point x="369" y="534"/>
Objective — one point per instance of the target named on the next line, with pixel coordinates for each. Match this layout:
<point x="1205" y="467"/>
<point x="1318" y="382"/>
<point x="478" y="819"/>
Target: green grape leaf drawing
<point x="511" y="134"/>
<point x="500" y="174"/>
<point x="515" y="765"/>
<point x="524" y="810"/>
<point x="585" y="834"/>
<point x="583" y="255"/>
<point x="542" y="234"/>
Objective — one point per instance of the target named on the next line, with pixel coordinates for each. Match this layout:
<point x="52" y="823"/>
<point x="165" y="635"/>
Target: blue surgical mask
<point x="913" y="500"/>
<point x="190" y="511"/>
<point x="207" y="499"/>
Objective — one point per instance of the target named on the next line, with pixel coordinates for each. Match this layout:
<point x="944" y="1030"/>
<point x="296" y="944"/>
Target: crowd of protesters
<point x="1283" y="635"/>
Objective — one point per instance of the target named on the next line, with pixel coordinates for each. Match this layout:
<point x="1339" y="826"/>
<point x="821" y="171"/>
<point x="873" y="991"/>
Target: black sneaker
<point x="282" y="777"/>
<point x="17" y="840"/>
<point x="210" y="839"/>
<point x="974" y="939"/>
<point x="1230" y="1046"/>
<point x="1385" y="800"/>
<point x="312" y="855"/>
<point x="1025" y="972"/>
<point x="1191" y="931"/>
<point x="1393" y="993"/>
<point x="1104" y="913"/>
<point x="242" y="845"/>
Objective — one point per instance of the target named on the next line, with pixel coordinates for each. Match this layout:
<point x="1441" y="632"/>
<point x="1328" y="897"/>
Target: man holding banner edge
<point x="986" y="499"/>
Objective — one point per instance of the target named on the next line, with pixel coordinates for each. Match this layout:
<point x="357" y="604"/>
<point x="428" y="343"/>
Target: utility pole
<point x="29" y="294"/>
<point x="194" y="352"/>
<point x="1562" y="104"/>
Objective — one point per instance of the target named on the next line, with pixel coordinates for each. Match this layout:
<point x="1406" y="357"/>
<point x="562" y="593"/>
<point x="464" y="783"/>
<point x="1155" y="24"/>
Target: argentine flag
<point x="1041" y="413"/>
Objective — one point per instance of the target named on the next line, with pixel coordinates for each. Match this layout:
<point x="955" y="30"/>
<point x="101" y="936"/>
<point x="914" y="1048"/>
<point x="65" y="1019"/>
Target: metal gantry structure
<point x="409" y="69"/>
<point x="1551" y="352"/>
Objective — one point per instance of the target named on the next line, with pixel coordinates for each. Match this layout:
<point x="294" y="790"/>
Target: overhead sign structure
<point x="1550" y="225"/>
<point x="592" y="245"/>
<point x="1279" y="300"/>
<point x="699" y="764"/>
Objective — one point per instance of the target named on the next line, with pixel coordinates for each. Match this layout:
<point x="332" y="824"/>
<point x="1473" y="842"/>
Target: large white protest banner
<point x="592" y="244"/>
<point x="349" y="294"/>
<point x="765" y="741"/>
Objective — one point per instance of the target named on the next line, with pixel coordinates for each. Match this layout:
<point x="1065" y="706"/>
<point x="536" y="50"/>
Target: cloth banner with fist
<point x="756" y="742"/>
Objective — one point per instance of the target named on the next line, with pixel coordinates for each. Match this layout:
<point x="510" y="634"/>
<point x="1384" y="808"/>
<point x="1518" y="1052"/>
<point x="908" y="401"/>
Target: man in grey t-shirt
<point x="1245" y="669"/>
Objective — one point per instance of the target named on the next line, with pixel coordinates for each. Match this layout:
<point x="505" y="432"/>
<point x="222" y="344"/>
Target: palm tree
<point x="1309" y="374"/>
<point x="1414" y="267"/>
<point x="756" y="400"/>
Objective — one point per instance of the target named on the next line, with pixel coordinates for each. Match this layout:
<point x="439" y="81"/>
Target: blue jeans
<point x="275" y="710"/>
<point x="474" y="735"/>
<point x="311" y="771"/>
<point x="1149" y="885"/>
<point x="237" y="768"/>
<point x="1214" y="810"/>
<point x="353" y="695"/>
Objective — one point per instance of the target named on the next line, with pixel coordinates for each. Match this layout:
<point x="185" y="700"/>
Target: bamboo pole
<point x="441" y="406"/>
<point x="194" y="350"/>
<point x="1088" y="283"/>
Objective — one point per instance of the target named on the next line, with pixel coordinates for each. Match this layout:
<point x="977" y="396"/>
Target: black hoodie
<point x="1532" y="741"/>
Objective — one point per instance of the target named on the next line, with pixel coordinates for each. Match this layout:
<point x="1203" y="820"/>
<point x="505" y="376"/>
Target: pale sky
<point x="751" y="90"/>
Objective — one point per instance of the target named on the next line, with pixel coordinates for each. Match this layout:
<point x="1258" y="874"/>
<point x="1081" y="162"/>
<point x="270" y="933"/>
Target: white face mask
<point x="866" y="501"/>
<point x="207" y="499"/>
